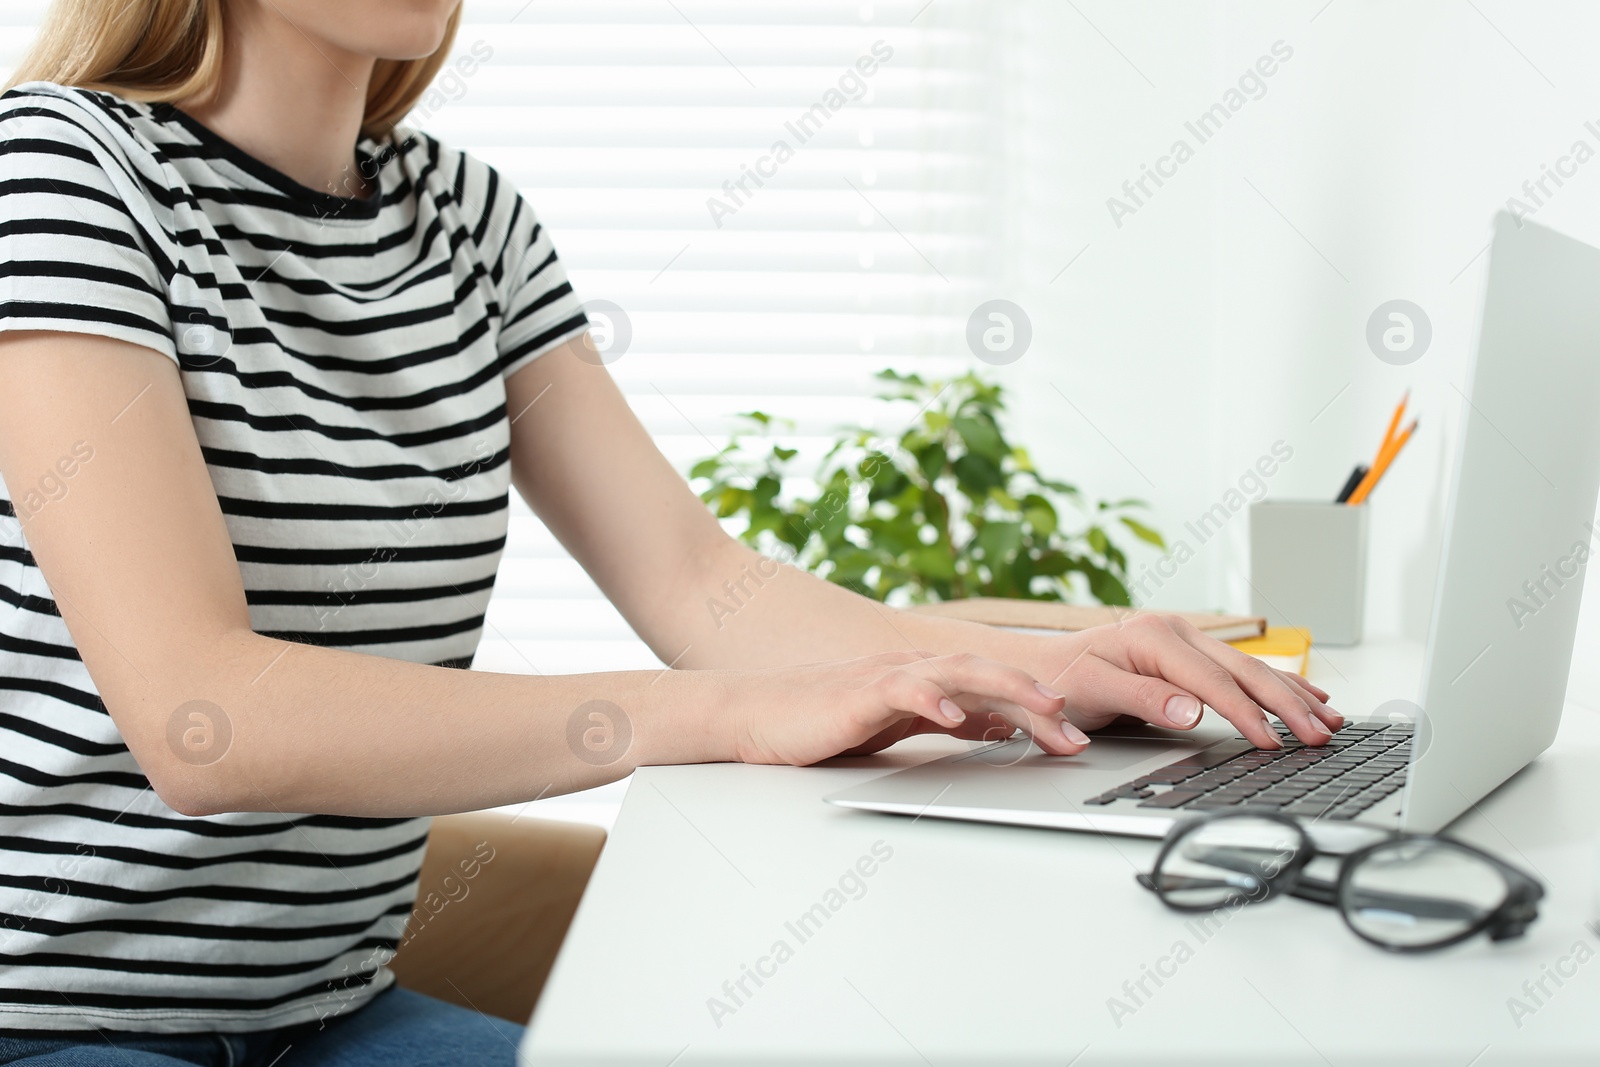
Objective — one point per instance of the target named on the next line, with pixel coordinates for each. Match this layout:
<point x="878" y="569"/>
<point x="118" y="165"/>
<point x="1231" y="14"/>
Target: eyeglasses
<point x="1405" y="893"/>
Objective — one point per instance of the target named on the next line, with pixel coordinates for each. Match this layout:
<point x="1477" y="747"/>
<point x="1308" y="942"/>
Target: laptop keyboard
<point x="1363" y="764"/>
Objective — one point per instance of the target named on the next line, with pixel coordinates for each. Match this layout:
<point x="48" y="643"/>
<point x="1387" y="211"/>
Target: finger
<point x="1103" y="690"/>
<point x="1320" y="707"/>
<point x="1267" y="687"/>
<point x="1004" y="688"/>
<point x="1151" y="647"/>
<point x="1054" y="733"/>
<point x="1316" y="698"/>
<point x="967" y="673"/>
<point x="902" y="689"/>
<point x="1315" y="690"/>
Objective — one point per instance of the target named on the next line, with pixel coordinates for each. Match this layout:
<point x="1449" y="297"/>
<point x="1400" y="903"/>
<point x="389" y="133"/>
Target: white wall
<point x="1229" y="312"/>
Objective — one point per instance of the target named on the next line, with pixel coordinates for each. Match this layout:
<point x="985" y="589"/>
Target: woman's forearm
<point x="755" y="612"/>
<point x="1154" y="667"/>
<point x="297" y="728"/>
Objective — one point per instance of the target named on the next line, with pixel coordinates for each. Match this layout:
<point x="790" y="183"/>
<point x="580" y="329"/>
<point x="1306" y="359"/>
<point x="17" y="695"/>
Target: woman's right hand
<point x="801" y="715"/>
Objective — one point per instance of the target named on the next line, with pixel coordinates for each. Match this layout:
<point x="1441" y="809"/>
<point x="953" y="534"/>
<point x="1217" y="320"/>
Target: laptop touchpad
<point x="1104" y="754"/>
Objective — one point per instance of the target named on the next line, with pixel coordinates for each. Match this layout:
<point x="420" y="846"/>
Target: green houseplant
<point x="948" y="508"/>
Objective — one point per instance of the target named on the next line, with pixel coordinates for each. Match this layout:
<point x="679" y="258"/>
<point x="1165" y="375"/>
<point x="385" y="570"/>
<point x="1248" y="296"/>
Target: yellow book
<point x="1287" y="648"/>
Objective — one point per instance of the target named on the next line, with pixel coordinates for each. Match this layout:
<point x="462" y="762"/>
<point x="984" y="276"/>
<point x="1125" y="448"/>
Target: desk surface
<point x="984" y="944"/>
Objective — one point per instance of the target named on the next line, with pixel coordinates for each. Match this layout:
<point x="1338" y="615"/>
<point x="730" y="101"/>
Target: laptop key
<point x="1215" y="755"/>
<point x="1168" y="775"/>
<point x="1307" y="809"/>
<point x="1175" y="798"/>
<point x="1207" y="781"/>
<point x="1212" y="803"/>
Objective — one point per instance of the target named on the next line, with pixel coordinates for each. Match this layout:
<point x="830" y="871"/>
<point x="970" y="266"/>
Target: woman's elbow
<point x="195" y="792"/>
<point x="193" y="765"/>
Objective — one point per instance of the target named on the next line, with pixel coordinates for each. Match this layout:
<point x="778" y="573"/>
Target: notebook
<point x="1287" y="648"/>
<point x="1050" y="616"/>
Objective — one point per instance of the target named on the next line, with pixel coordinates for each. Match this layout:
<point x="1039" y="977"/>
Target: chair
<point x="494" y="900"/>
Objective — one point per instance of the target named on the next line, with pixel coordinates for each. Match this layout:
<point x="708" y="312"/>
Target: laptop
<point x="1519" y="529"/>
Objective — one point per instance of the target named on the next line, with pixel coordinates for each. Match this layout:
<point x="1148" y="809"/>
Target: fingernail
<point x="1322" y="727"/>
<point x="952" y="710"/>
<point x="1047" y="692"/>
<point x="1182" y="710"/>
<point x="1073" y="734"/>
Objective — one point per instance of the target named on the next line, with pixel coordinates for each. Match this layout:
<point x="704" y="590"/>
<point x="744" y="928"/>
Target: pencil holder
<point x="1308" y="567"/>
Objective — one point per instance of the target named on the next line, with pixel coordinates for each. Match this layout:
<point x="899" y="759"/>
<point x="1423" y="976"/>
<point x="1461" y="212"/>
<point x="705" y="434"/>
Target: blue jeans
<point x="398" y="1028"/>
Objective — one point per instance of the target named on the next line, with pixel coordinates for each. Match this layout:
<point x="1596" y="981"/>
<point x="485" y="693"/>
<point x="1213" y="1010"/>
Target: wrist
<point x="1035" y="653"/>
<point x="1046" y="658"/>
<point x="725" y="702"/>
<point x="694" y="717"/>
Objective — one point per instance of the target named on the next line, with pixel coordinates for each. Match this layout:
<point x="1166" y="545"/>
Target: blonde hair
<point x="171" y="51"/>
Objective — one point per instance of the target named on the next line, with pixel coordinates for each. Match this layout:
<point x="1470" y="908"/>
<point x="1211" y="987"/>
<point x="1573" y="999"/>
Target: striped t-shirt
<point x="344" y="361"/>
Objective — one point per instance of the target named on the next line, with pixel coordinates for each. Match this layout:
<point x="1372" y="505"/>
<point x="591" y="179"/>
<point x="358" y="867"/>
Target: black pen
<point x="1350" y="486"/>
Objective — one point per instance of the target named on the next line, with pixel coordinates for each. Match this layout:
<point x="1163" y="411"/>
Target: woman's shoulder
<point x="46" y="95"/>
<point x="485" y="198"/>
<point x="100" y="123"/>
<point x="48" y="100"/>
<point x="441" y="169"/>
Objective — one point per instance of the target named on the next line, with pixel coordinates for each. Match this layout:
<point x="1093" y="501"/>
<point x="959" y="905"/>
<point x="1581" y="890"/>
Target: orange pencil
<point x="1394" y="424"/>
<point x="1370" y="482"/>
<point x="1363" y="487"/>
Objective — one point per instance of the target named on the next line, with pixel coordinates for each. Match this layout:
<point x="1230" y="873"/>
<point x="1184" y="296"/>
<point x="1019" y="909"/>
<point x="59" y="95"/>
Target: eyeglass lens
<point x="1420" y="892"/>
<point x="1228" y="860"/>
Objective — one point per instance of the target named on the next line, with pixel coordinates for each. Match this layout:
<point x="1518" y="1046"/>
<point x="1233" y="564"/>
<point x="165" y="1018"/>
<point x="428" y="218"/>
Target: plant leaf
<point x="1143" y="532"/>
<point x="999" y="541"/>
<point x="980" y="436"/>
<point x="1105" y="586"/>
<point x="976" y="475"/>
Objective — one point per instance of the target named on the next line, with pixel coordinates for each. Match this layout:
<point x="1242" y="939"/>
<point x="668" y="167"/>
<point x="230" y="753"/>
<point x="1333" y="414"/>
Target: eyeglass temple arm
<point x="1319" y="890"/>
<point x="1325" y="891"/>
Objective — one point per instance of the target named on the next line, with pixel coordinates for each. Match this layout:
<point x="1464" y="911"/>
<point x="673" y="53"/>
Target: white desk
<point x="991" y="945"/>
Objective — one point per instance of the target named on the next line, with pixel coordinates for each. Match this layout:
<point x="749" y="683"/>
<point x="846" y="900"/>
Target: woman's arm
<point x="139" y="560"/>
<point x="703" y="600"/>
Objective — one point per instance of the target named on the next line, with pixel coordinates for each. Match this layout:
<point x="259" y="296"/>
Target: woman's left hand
<point x="1161" y="669"/>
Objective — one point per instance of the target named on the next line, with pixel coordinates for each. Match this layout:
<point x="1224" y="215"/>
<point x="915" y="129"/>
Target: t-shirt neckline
<point x="322" y="204"/>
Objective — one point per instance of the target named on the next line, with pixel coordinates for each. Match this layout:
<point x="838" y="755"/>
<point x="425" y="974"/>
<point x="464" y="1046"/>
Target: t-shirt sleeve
<point x="540" y="311"/>
<point x="79" y="244"/>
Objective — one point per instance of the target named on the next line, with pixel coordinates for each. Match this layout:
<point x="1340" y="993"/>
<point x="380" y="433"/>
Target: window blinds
<point x="782" y="197"/>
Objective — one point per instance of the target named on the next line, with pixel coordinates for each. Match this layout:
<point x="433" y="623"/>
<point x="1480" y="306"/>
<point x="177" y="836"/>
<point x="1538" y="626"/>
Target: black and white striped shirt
<point x="344" y="361"/>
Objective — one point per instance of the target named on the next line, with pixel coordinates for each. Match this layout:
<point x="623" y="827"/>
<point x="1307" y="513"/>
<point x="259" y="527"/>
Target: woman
<point x="267" y="371"/>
